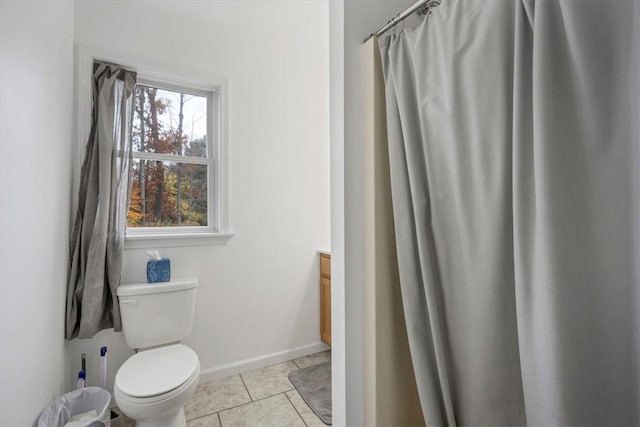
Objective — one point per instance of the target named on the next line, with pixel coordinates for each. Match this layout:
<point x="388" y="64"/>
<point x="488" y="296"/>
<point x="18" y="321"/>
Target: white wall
<point x="259" y="294"/>
<point x="361" y="17"/>
<point x="36" y="69"/>
<point x="338" y="309"/>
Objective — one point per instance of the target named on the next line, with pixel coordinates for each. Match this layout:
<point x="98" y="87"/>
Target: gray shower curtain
<point x="515" y="166"/>
<point x="97" y="237"/>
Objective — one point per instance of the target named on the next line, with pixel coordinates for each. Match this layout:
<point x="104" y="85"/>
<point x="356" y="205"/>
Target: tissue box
<point x="158" y="270"/>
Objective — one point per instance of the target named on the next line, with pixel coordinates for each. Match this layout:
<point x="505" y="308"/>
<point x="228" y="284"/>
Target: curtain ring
<point x="427" y="8"/>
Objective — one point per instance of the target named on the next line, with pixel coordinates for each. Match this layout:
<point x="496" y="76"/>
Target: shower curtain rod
<point x="420" y="6"/>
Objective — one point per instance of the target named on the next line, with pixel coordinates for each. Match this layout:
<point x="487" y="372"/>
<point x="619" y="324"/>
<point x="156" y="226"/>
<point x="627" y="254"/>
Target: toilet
<point x="152" y="386"/>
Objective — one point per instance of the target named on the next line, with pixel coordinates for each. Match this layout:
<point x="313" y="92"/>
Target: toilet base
<point x="172" y="420"/>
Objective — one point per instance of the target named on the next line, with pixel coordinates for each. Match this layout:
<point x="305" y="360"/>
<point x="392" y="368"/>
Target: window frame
<point x="160" y="72"/>
<point x="211" y="161"/>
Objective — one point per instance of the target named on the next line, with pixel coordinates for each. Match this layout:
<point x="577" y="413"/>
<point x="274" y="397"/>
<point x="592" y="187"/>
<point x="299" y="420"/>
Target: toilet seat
<point x="157" y="374"/>
<point x="145" y="401"/>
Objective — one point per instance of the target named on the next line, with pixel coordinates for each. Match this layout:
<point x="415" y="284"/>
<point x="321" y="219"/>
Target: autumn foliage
<point x="168" y="192"/>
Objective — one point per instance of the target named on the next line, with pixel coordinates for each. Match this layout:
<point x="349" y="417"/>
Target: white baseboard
<point x="244" y="365"/>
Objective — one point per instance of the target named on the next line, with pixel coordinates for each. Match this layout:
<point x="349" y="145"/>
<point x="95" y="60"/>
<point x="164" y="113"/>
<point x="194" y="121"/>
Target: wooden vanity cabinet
<point x="325" y="298"/>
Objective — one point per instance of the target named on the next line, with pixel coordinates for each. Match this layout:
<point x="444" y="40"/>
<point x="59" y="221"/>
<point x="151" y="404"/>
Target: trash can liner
<point x="60" y="411"/>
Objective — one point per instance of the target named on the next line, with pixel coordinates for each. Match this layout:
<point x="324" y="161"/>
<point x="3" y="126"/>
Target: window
<point x="176" y="176"/>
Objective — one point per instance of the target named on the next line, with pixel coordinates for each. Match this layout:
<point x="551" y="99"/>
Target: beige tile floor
<point x="259" y="398"/>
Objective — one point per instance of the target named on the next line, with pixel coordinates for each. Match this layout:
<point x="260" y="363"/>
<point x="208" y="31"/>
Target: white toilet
<point x="152" y="386"/>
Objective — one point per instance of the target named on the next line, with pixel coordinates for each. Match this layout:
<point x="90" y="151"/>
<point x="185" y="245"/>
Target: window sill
<point x="147" y="241"/>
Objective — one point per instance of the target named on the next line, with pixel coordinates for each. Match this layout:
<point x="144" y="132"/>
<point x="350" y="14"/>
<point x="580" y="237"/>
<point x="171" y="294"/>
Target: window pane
<point x="169" y="122"/>
<point x="168" y="194"/>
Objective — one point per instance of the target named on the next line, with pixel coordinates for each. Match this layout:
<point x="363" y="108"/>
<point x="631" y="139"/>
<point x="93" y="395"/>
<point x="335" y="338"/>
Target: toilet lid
<point x="157" y="371"/>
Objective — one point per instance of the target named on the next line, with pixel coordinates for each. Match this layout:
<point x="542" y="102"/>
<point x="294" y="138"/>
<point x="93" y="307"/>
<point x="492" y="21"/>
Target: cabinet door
<point x="325" y="266"/>
<point x="325" y="310"/>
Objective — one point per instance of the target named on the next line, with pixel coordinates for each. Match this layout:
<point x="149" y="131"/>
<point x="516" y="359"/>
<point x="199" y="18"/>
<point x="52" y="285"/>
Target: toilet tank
<point x="157" y="313"/>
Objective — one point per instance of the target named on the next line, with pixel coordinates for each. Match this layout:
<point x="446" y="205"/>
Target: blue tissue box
<point x="158" y="270"/>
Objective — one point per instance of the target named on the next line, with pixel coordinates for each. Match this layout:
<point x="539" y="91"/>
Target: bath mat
<point x="314" y="385"/>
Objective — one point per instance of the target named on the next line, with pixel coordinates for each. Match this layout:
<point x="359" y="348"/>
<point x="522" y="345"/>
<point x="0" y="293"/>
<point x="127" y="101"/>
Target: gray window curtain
<point x="97" y="236"/>
<point x="515" y="166"/>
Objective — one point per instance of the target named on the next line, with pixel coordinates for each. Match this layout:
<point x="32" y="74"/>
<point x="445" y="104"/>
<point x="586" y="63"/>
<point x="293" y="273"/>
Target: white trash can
<point x="77" y="402"/>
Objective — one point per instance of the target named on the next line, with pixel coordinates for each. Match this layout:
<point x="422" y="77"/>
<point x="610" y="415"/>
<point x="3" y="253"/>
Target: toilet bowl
<point x="152" y="386"/>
